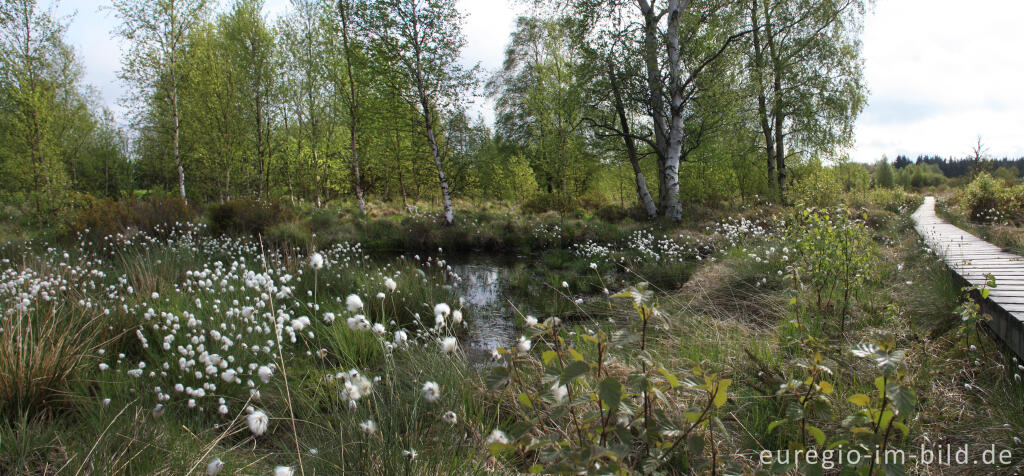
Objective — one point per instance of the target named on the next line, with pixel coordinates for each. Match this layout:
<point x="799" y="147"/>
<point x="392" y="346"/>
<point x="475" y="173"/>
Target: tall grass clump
<point x="42" y="347"/>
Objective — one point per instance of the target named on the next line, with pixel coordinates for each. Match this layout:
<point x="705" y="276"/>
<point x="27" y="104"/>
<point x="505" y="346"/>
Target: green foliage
<point x="806" y="396"/>
<point x="245" y="217"/>
<point x="891" y="407"/>
<point x="971" y="316"/>
<point x="551" y="202"/>
<point x="817" y="187"/>
<point x="989" y="200"/>
<point x="884" y="176"/>
<point x="835" y="257"/>
<point x="918" y="176"/>
<point x="53" y="140"/>
<point x="594" y="419"/>
<point x="290" y="235"/>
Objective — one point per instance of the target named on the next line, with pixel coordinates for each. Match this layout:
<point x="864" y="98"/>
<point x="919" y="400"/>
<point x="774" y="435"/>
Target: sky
<point x="941" y="73"/>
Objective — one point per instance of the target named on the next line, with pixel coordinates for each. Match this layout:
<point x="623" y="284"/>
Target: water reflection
<point x="491" y="325"/>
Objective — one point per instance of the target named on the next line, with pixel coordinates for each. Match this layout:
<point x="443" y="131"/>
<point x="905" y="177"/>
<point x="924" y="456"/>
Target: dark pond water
<point x="483" y="287"/>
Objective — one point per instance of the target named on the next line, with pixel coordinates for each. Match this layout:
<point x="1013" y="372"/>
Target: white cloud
<point x="941" y="73"/>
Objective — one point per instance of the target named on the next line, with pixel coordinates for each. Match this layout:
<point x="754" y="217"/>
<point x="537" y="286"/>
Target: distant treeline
<point x="962" y="167"/>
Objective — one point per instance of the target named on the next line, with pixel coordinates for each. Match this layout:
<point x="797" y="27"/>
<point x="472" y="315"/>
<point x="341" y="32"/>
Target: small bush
<point x="323" y="220"/>
<point x="245" y="217"/>
<point x="820" y="188"/>
<point x="551" y="202"/>
<point x="293" y="235"/>
<point x="988" y="199"/>
<point x="105" y="217"/>
<point x="613" y="213"/>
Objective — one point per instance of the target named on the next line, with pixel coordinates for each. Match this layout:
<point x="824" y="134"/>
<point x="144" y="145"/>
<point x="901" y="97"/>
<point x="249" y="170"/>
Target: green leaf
<point x="721" y="392"/>
<point x="860" y="400"/>
<point x="575" y="354"/>
<point x="536" y="469"/>
<point x="812" y="469"/>
<point x="903" y="399"/>
<point x="819" y="436"/>
<point x="692" y="417"/>
<point x="572" y="371"/>
<point x="496" y="449"/>
<point x="524" y="400"/>
<point x="903" y="428"/>
<point x="549" y="356"/>
<point x="610" y="392"/>
<point x="775" y="424"/>
<point x="672" y="380"/>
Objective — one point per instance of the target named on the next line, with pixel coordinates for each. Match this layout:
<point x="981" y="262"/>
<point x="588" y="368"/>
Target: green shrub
<point x="819" y="188"/>
<point x="614" y="213"/>
<point x="551" y="202"/>
<point x="323" y="220"/>
<point x="988" y="199"/>
<point x="245" y="217"/>
<point x="293" y="235"/>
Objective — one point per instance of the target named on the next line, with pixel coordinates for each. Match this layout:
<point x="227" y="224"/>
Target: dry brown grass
<point x="40" y="351"/>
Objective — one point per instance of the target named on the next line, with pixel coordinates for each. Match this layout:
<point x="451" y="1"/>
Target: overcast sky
<point x="940" y="72"/>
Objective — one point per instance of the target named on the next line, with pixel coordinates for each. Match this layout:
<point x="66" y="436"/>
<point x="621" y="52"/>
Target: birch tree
<point x="421" y="41"/>
<point x="349" y="13"/>
<point x="676" y="41"/>
<point x="156" y="33"/>
<point x="251" y="51"/>
<point x="39" y="93"/>
<point x="808" y="76"/>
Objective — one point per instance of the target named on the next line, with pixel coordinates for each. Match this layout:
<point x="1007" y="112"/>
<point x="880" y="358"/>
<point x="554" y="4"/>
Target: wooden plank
<point x="974" y="259"/>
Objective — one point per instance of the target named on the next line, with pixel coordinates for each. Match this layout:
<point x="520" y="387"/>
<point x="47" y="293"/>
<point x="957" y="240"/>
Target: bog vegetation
<point x="258" y="278"/>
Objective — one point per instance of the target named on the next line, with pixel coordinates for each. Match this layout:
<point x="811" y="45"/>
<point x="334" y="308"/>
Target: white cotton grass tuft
<point x="358" y="323"/>
<point x="368" y="427"/>
<point x="410" y="454"/>
<point x="257" y="422"/>
<point x="524" y="344"/>
<point x="284" y="471"/>
<point x="316" y="261"/>
<point x="431" y="391"/>
<point x="401" y="337"/>
<point x="158" y="410"/>
<point x="530" y="321"/>
<point x="457" y="317"/>
<point x="450" y="418"/>
<point x="390" y="284"/>
<point x="214" y="467"/>
<point x="559" y="392"/>
<point x="496" y="436"/>
<point x="449" y="345"/>
<point x="265" y="373"/>
<point x="442" y="310"/>
<point x="353" y="303"/>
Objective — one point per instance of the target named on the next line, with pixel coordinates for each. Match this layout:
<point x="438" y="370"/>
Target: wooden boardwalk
<point x="972" y="259"/>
